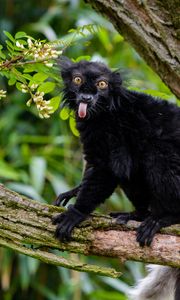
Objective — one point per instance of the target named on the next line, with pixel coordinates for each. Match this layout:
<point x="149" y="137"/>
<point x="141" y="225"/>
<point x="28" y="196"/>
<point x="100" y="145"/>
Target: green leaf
<point x="107" y="295"/>
<point x="117" y="38"/>
<point x="72" y="30"/>
<point x="72" y="125"/>
<point x="58" y="183"/>
<point x="37" y="67"/>
<point x="9" y="36"/>
<point x="25" y="189"/>
<point x="83" y="57"/>
<point x="157" y="94"/>
<point x="23" y="42"/>
<point x="27" y="76"/>
<point x="12" y="80"/>
<point x="153" y="93"/>
<point x="20" y="34"/>
<point x="54" y="102"/>
<point x="37" y="171"/>
<point x="23" y="271"/>
<point x="64" y="113"/>
<point x="105" y="39"/>
<point x="11" y="46"/>
<point x="30" y="68"/>
<point x="13" y="53"/>
<point x="40" y="77"/>
<point x="40" y="67"/>
<point x="2" y="55"/>
<point x="46" y="87"/>
<point x="32" y="265"/>
<point x="5" y="73"/>
<point x="18" y="75"/>
<point x="18" y="86"/>
<point x="6" y="171"/>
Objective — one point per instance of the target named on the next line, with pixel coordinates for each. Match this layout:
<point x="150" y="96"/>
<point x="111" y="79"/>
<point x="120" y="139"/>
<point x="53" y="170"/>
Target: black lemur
<point x="129" y="139"/>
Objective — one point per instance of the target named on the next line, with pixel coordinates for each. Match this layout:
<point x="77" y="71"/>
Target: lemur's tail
<point x="162" y="283"/>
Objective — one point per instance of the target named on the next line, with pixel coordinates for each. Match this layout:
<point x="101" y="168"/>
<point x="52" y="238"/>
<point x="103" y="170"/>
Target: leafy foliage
<point x="28" y="65"/>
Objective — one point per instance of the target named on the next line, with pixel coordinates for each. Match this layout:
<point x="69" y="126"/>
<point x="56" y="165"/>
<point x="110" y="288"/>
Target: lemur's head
<point x="89" y="87"/>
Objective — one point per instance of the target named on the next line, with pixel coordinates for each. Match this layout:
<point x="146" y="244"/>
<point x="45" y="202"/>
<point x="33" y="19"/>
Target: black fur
<point x="129" y="139"/>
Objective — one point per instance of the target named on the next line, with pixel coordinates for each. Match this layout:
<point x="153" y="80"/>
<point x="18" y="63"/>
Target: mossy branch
<point x="25" y="226"/>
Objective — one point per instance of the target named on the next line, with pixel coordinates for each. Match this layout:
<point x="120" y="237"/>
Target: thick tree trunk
<point x="153" y="29"/>
<point x="25" y="223"/>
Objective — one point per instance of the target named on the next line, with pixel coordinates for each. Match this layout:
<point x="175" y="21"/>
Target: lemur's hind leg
<point x="151" y="225"/>
<point x="124" y="217"/>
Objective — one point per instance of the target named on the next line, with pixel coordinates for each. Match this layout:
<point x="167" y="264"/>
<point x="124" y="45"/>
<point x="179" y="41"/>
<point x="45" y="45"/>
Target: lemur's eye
<point x="102" y="84"/>
<point x="77" y="80"/>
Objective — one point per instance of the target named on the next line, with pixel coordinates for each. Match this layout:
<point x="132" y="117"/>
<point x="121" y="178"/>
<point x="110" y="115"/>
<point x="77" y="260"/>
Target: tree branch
<point x="153" y="29"/>
<point x="25" y="223"/>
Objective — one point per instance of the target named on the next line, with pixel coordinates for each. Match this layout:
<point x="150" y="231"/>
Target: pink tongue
<point x="82" y="110"/>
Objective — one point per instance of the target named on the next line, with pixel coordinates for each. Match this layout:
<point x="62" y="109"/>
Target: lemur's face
<point x="87" y="87"/>
<point x="90" y="88"/>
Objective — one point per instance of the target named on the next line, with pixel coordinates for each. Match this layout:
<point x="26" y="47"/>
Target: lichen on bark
<point x="26" y="227"/>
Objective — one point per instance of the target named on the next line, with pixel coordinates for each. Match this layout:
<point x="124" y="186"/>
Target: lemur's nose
<point x="86" y="97"/>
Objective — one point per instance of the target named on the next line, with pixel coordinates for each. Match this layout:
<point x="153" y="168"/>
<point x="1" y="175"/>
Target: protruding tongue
<point x="82" y="110"/>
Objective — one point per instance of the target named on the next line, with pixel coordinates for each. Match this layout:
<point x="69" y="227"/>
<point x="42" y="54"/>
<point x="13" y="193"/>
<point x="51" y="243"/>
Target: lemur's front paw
<point x="147" y="230"/>
<point x="64" y="198"/>
<point x="66" y="221"/>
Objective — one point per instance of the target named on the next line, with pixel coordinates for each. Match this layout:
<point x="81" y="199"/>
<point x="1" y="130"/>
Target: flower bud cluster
<point x="42" y="105"/>
<point x="24" y="88"/>
<point x="19" y="45"/>
<point x="2" y="94"/>
<point x="40" y="51"/>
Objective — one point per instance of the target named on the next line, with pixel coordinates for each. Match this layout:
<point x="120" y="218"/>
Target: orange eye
<point x="102" y="84"/>
<point x="77" y="80"/>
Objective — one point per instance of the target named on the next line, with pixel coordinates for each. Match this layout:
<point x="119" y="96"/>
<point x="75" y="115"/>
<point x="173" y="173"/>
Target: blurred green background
<point x="42" y="158"/>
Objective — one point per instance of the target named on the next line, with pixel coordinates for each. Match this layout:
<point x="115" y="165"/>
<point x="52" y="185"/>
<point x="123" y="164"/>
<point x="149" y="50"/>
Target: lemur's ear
<point x="64" y="63"/>
<point x="117" y="79"/>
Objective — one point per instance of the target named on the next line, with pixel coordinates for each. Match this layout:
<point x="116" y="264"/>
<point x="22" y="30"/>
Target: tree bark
<point x="152" y="27"/>
<point x="25" y="226"/>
